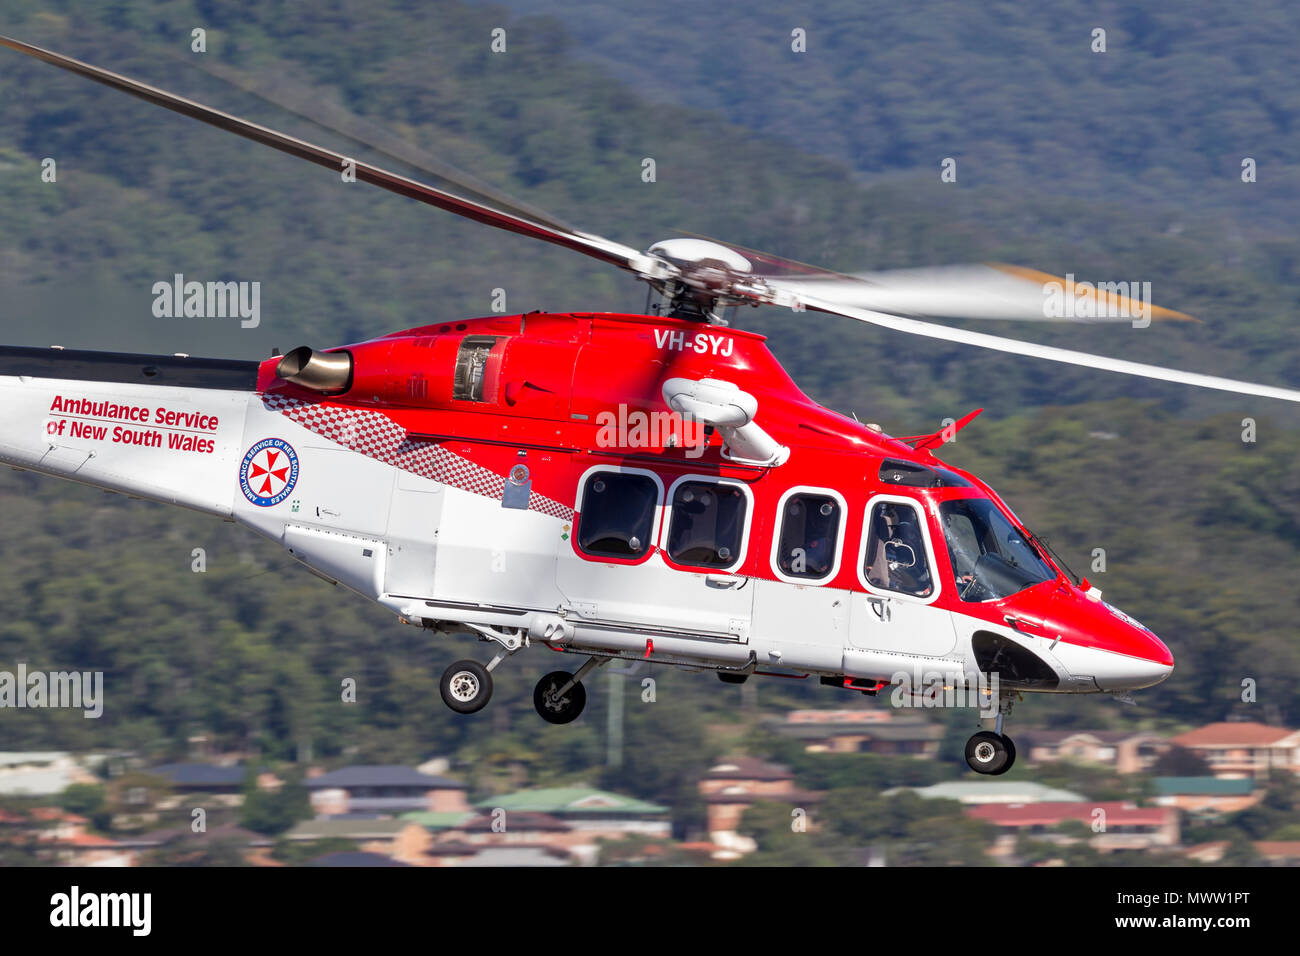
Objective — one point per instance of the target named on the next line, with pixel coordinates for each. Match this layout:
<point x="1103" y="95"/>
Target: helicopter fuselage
<point x="525" y="478"/>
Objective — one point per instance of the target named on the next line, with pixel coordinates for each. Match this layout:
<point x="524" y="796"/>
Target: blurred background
<point x="1121" y="165"/>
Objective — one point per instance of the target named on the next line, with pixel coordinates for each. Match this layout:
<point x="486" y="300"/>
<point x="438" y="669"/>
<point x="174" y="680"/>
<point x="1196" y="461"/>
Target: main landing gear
<point x="990" y="751"/>
<point x="559" y="697"/>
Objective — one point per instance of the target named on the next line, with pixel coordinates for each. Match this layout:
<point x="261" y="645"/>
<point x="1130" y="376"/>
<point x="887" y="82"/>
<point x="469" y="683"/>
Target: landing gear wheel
<point x="732" y="678"/>
<point x="466" y="687"/>
<point x="563" y="709"/>
<point x="990" y="753"/>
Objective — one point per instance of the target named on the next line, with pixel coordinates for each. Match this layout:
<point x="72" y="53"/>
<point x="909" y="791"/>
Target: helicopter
<point x="637" y="487"/>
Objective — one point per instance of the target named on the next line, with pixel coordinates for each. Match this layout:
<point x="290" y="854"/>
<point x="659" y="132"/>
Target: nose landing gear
<point x="990" y="751"/>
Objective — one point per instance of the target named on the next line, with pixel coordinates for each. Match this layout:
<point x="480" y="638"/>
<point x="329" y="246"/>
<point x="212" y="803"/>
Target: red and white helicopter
<point x="650" y="487"/>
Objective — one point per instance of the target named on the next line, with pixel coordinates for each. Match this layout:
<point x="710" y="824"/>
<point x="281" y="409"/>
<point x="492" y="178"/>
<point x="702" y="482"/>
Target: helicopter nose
<point x="1142" y="660"/>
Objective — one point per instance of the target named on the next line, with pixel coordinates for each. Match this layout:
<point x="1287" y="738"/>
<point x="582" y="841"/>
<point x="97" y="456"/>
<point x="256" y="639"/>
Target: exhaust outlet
<point x="319" y="371"/>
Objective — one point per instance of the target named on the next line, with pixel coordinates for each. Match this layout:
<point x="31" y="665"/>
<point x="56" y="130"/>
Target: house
<point x="59" y="837"/>
<point x="1211" y="852"/>
<point x="516" y="827"/>
<point x="733" y="786"/>
<point x="253" y="847"/>
<point x="1243" y="748"/>
<point x="514" y="855"/>
<point x="874" y="731"/>
<point x="400" y="840"/>
<point x="42" y="773"/>
<point x="1113" y="826"/>
<point x="222" y="784"/>
<point x="385" y="789"/>
<point x="352" y="859"/>
<point x="591" y="815"/>
<point x="1125" y="750"/>
<point x="439" y="822"/>
<point x="1279" y="852"/>
<point x="1206" y="796"/>
<point x="979" y="792"/>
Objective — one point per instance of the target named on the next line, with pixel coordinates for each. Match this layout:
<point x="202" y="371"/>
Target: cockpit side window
<point x="895" y="558"/>
<point x="991" y="558"/>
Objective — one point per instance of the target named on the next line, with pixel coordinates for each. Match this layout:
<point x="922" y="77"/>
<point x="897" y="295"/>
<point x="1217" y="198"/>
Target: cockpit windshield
<point x="991" y="558"/>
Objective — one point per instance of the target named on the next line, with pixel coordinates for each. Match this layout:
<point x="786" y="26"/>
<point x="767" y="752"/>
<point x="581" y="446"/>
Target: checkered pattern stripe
<point x="377" y="436"/>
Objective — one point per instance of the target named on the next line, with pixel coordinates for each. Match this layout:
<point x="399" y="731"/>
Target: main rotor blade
<point x="603" y="249"/>
<point x="988" y="291"/>
<point x="1015" y="347"/>
<point x="307" y="103"/>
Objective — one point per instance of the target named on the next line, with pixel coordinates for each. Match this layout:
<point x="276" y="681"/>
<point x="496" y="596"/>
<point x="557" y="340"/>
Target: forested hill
<point x="143" y="194"/>
<point x="1201" y="529"/>
<point x="1022" y="94"/>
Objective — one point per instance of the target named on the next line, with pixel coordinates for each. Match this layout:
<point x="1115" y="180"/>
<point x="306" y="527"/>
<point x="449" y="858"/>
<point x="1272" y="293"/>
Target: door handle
<point x="880" y="607"/>
<point x="724" y="581"/>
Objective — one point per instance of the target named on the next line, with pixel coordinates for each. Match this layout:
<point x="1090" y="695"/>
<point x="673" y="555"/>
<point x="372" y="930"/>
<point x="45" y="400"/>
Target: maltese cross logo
<point x="269" y="472"/>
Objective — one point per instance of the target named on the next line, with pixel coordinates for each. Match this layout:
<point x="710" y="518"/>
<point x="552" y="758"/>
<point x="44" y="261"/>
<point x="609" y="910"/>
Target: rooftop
<point x="381" y="775"/>
<point x="747" y="768"/>
<point x="347" y="829"/>
<point x="1203" y="786"/>
<point x="993" y="791"/>
<point x="355" y="858"/>
<point x="572" y="800"/>
<point x="1050" y="813"/>
<point x="1235" y="734"/>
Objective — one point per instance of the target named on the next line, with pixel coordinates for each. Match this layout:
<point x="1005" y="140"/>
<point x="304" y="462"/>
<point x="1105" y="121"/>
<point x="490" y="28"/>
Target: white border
<point x="922" y="513"/>
<point x="672" y="562"/>
<point x="839" y="541"/>
<point x="652" y="544"/>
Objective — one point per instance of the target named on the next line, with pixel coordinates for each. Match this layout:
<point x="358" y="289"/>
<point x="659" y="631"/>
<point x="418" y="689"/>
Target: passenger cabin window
<point x="707" y="526"/>
<point x="618" y="515"/>
<point x="474" y="367"/>
<point x="810" y="531"/>
<point x="895" y="558"/>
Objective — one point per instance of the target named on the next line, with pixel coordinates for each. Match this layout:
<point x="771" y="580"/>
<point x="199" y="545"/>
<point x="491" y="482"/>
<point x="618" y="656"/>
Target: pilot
<point x="962" y="549"/>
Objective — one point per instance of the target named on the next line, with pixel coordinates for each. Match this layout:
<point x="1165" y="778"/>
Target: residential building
<point x="223" y="784"/>
<point x="1125" y="750"/>
<point x="875" y="731"/>
<point x="387" y="789"/>
<point x="400" y="840"/>
<point x="42" y="773"/>
<point x="733" y="786"/>
<point x="1206" y="796"/>
<point x="1279" y="852"/>
<point x="592" y="815"/>
<point x="1243" y="748"/>
<point x="979" y="792"/>
<point x="1112" y="826"/>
